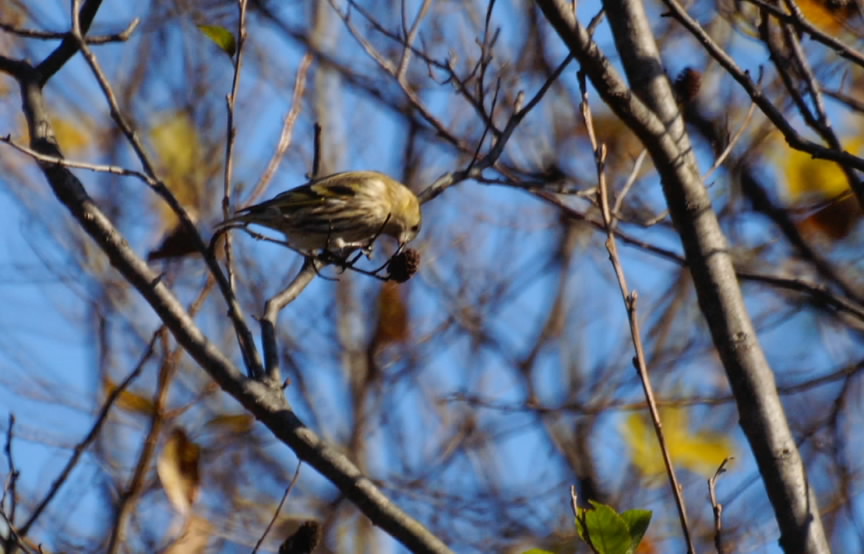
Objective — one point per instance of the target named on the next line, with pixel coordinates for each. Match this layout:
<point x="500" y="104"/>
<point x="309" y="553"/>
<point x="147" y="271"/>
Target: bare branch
<point x="630" y="303"/>
<point x="761" y="412"/>
<point x="112" y="169"/>
<point x="122" y="36"/>
<point x="10" y="488"/>
<point x="271" y="313"/>
<point x="717" y="507"/>
<point x="244" y="335"/>
<point x="287" y="134"/>
<point x="793" y="138"/>
<point x="278" y="508"/>
<point x="267" y="404"/>
<point x="231" y="135"/>
<point x="91" y="435"/>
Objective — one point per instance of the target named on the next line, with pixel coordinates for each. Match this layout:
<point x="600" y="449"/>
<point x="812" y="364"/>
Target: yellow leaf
<point x="810" y="181"/>
<point x="830" y="16"/>
<point x="701" y="452"/>
<point x="223" y="38"/>
<point x="181" y="162"/>
<point x="128" y="400"/>
<point x="177" y="145"/>
<point x="72" y="136"/>
<point x="234" y="423"/>
<point x="178" y="470"/>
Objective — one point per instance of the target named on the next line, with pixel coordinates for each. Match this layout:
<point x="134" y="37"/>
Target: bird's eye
<point x="416" y="228"/>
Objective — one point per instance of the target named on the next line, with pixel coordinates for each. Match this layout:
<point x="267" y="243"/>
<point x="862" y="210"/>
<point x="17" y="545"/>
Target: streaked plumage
<point x="338" y="213"/>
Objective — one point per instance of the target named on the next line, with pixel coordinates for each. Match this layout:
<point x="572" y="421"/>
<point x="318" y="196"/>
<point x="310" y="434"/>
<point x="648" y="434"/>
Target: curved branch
<point x="271" y="312"/>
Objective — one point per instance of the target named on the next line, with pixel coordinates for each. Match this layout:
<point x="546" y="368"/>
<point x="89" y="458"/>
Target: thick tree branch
<point x="69" y="46"/>
<point x="761" y="413"/>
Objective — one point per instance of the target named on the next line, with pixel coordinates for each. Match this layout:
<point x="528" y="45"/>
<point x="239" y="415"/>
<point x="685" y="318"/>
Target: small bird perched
<point x="337" y="214"/>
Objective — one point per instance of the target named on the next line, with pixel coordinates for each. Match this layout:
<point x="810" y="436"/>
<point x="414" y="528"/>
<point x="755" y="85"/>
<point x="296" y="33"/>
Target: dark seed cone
<point x="177" y="244"/>
<point x="303" y="541"/>
<point x="687" y="85"/>
<point x="404" y="265"/>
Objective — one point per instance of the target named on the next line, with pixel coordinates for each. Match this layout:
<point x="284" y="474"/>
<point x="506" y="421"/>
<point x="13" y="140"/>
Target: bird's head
<point x="405" y="215"/>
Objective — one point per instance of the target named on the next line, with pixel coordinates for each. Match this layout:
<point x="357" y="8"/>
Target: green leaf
<point x="637" y="521"/>
<point x="605" y="529"/>
<point x="538" y="551"/>
<point x="223" y="38"/>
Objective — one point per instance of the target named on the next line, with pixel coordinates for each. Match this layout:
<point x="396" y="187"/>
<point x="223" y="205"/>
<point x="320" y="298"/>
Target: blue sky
<point x="495" y="235"/>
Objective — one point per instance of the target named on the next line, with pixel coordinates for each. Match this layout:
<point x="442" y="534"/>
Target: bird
<point x="337" y="214"/>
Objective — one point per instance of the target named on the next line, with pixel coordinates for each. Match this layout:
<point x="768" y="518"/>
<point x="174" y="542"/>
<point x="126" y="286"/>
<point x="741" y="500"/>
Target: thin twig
<point x="410" y="36"/>
<point x="316" y="151"/>
<point x="732" y="142"/>
<point x="631" y="303"/>
<point x="129" y="497"/>
<point x="235" y="312"/>
<point x="631" y="180"/>
<point x="574" y="501"/>
<point x="448" y="180"/>
<point x="287" y="133"/>
<point x="271" y="312"/>
<point x="391" y="69"/>
<point x="716" y="506"/>
<point x="490" y="126"/>
<point x="112" y="169"/>
<point x="122" y="36"/>
<point x="279" y="507"/>
<point x="231" y="135"/>
<point x="91" y="435"/>
<point x="15" y="539"/>
<point x="11" y="485"/>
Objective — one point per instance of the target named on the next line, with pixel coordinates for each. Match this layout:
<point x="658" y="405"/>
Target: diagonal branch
<point x="244" y="335"/>
<point x="88" y="439"/>
<point x="265" y="402"/>
<point x="752" y="380"/>
<point x="792" y="136"/>
<point x="631" y="301"/>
